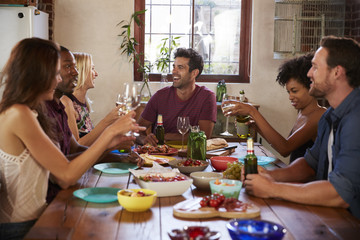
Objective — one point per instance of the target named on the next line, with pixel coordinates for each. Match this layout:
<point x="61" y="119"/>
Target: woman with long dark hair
<point x="28" y="148"/>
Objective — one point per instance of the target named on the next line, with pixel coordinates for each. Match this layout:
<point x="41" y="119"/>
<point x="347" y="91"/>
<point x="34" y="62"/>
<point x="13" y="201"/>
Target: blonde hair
<point x="83" y="64"/>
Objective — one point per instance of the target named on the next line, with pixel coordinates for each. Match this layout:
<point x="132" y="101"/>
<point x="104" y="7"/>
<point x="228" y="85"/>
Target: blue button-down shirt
<point x="345" y="175"/>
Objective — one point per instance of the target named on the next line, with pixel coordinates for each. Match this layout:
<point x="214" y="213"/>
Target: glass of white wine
<point x="183" y="125"/>
<point x="225" y="106"/>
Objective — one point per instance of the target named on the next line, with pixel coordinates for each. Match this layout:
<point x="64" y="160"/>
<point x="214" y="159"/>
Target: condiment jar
<point x="196" y="144"/>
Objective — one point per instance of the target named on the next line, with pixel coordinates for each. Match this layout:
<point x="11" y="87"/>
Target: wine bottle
<point x="250" y="161"/>
<point x="160" y="130"/>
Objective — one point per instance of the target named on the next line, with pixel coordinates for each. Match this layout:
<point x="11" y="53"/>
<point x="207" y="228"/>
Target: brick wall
<point x="48" y="7"/>
<point x="352" y="23"/>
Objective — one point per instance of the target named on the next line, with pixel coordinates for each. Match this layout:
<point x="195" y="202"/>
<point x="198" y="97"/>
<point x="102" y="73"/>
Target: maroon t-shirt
<point x="201" y="106"/>
<point x="57" y="111"/>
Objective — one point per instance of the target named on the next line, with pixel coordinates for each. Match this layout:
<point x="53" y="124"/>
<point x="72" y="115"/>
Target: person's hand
<point x="240" y="108"/>
<point x="259" y="185"/>
<point x="135" y="158"/>
<point x="112" y="116"/>
<point x="127" y="143"/>
<point x="151" y="139"/>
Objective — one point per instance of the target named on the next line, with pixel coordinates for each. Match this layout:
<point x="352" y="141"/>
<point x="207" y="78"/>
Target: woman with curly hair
<point x="292" y="75"/>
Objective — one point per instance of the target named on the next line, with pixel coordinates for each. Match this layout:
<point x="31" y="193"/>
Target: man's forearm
<point x="298" y="171"/>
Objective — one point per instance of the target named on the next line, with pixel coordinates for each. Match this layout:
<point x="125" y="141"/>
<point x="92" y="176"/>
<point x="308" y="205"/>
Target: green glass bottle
<point x="250" y="161"/>
<point x="220" y="90"/>
<point x="160" y="130"/>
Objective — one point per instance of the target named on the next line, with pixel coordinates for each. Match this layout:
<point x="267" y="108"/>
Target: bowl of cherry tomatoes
<point x="189" y="165"/>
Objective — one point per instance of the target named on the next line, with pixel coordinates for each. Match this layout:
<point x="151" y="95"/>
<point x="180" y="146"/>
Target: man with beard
<point x="328" y="174"/>
<point x="56" y="110"/>
<point x="183" y="98"/>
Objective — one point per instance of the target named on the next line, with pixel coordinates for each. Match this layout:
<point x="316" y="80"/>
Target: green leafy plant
<point x="129" y="43"/>
<point x="163" y="59"/>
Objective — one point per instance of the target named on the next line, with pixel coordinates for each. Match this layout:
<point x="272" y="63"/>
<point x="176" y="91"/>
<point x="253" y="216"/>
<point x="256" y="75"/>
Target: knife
<point x="221" y="149"/>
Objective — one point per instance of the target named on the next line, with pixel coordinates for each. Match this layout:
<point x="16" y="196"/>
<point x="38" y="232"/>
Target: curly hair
<point x="296" y="68"/>
<point x="196" y="60"/>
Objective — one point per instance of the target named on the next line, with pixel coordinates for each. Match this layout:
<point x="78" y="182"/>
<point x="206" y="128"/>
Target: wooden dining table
<point x="68" y="217"/>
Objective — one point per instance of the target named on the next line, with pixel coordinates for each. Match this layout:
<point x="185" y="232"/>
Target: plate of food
<point x="215" y="205"/>
<point x="176" y="144"/>
<point x="156" y="150"/>
<point x="261" y="160"/>
<point x="115" y="167"/>
<point x="189" y="165"/>
<point x="160" y="159"/>
<point x="97" y="194"/>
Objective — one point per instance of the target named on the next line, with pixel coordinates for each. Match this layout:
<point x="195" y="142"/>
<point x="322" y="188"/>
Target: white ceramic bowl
<point x="166" y="189"/>
<point x="202" y="179"/>
<point x="188" y="169"/>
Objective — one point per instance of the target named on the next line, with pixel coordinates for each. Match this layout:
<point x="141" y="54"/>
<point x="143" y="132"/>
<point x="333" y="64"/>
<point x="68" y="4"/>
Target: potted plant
<point x="128" y="47"/>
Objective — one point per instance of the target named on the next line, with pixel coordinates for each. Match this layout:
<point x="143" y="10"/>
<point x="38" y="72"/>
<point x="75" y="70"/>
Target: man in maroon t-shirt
<point x="183" y="98"/>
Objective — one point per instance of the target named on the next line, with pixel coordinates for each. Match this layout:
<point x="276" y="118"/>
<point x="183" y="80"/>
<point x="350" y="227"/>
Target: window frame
<point x="245" y="48"/>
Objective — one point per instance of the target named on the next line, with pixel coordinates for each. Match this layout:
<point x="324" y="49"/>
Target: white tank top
<point x="23" y="187"/>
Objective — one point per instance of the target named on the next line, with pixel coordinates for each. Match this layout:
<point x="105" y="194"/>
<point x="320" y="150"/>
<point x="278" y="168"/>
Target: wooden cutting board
<point x="191" y="209"/>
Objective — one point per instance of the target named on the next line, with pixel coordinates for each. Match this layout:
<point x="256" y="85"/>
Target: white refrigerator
<point x="17" y="23"/>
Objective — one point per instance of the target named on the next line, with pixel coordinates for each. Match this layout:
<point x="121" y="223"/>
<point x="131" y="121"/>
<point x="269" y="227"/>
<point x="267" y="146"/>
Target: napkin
<point x="156" y="169"/>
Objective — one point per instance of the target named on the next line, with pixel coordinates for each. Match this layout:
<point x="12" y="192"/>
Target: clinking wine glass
<point x="132" y="98"/>
<point x="226" y="105"/>
<point x="183" y="125"/>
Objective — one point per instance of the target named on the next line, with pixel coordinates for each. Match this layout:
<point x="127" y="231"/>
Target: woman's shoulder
<point x="18" y="113"/>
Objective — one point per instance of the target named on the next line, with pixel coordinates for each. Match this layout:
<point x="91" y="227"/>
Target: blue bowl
<point x="247" y="229"/>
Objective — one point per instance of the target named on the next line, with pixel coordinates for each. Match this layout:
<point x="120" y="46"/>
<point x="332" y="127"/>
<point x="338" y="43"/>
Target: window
<point x="219" y="30"/>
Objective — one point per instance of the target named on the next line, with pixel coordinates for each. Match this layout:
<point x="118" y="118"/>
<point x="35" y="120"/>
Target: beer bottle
<point x="160" y="130"/>
<point x="250" y="161"/>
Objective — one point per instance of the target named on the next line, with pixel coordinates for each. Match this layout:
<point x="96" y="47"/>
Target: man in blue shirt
<point x="329" y="173"/>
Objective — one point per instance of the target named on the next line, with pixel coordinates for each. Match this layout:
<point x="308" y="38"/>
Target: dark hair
<point x="346" y="53"/>
<point x="296" y="68"/>
<point x="196" y="60"/>
<point x="29" y="72"/>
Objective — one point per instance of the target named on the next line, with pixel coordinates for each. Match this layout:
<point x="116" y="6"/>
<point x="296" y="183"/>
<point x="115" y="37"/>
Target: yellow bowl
<point x="137" y="204"/>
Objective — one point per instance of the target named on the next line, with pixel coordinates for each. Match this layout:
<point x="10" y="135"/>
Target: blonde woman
<point x="77" y="104"/>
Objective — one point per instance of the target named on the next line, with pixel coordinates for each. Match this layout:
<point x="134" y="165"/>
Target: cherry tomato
<point x="203" y="203"/>
<point x="213" y="203"/>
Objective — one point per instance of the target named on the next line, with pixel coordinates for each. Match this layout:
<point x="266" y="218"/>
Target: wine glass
<point x="120" y="101"/>
<point x="132" y="96"/>
<point x="226" y="105"/>
<point x="183" y="125"/>
<point x="132" y="99"/>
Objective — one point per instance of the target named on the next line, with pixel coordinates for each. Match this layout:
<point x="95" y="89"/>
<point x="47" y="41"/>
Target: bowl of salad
<point x="165" y="185"/>
<point x="189" y="165"/>
<point x="136" y="200"/>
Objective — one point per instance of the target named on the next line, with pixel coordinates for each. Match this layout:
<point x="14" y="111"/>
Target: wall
<point x="90" y="26"/>
<point x="352" y="19"/>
